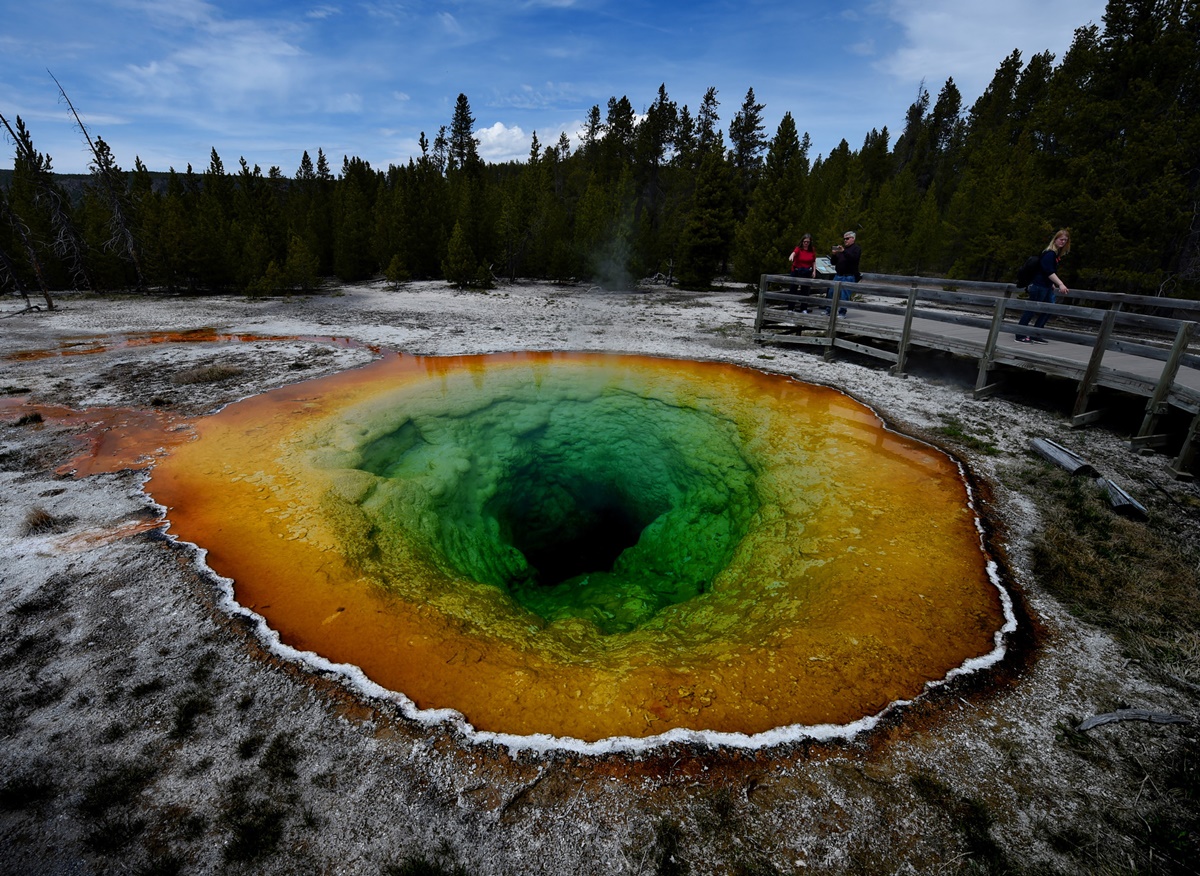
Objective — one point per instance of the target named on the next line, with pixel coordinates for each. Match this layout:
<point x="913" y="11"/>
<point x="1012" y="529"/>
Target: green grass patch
<point x="959" y="432"/>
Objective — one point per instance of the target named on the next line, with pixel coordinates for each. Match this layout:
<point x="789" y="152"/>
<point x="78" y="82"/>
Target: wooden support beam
<point x="836" y="292"/>
<point x="1182" y="464"/>
<point x="1087" y="383"/>
<point x="982" y="387"/>
<point x="906" y="332"/>
<point x="1086" y="419"/>
<point x="762" y="303"/>
<point x="1156" y="406"/>
<point x="1141" y="442"/>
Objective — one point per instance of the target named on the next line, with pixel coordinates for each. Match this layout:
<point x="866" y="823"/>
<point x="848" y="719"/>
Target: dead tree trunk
<point x="8" y="269"/>
<point x="106" y="171"/>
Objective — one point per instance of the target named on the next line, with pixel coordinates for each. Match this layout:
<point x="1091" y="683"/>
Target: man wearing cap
<point x="845" y="264"/>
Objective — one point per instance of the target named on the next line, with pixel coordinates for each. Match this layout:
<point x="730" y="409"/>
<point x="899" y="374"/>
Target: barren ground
<point x="145" y="729"/>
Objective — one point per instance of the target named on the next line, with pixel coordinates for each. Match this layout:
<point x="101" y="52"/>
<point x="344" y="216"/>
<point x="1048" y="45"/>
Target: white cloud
<point x="450" y="24"/>
<point x="503" y="143"/>
<point x="319" y="13"/>
<point x="545" y="96"/>
<point x="345" y="103"/>
<point x="187" y="13"/>
<point x="943" y="38"/>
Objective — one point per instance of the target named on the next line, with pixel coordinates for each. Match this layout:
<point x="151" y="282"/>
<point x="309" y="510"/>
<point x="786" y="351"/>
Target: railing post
<point x="906" y="332"/>
<point x="762" y="303"/>
<point x="836" y="292"/>
<point x="1182" y="466"/>
<point x="1156" y="407"/>
<point x="1080" y="415"/>
<point x="982" y="387"/>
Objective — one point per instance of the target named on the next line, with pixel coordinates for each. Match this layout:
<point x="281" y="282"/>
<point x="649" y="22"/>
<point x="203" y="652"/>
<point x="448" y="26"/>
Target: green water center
<point x="603" y="505"/>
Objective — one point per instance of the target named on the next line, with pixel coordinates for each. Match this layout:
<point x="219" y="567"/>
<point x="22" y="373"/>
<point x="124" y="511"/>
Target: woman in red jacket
<point x="804" y="260"/>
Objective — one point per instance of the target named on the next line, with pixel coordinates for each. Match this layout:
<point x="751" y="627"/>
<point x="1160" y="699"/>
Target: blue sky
<point x="168" y="80"/>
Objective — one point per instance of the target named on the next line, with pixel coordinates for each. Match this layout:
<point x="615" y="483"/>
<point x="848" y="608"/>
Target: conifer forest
<point x="1104" y="141"/>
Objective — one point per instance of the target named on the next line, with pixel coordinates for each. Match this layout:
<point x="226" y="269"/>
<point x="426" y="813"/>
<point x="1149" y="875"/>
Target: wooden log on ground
<point x="1062" y="457"/>
<point x="1134" y="715"/>
<point x="1122" y="502"/>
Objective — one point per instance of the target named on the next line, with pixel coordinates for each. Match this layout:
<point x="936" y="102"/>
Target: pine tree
<point x="747" y="144"/>
<point x="708" y="233"/>
<point x="773" y="224"/>
<point x="460" y="266"/>
<point x="463" y="147"/>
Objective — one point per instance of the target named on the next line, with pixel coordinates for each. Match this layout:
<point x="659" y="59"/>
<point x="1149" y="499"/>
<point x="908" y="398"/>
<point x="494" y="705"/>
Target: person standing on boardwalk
<point x="845" y="264"/>
<point x="1046" y="283"/>
<point x="804" y="260"/>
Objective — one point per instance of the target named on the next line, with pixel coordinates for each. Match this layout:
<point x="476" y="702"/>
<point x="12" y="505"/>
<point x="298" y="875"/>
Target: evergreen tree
<point x="463" y="147"/>
<point x="460" y="266"/>
<point x="708" y="130"/>
<point x="747" y="144"/>
<point x="708" y="233"/>
<point x="774" y="222"/>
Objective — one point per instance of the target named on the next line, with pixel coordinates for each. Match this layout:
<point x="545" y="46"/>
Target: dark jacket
<point x="845" y="263"/>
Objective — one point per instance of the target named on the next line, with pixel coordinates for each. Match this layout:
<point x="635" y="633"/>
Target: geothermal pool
<point x="593" y="546"/>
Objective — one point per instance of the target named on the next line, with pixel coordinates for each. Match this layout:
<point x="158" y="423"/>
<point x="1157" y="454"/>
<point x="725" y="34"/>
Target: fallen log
<point x="1134" y="715"/>
<point x="1062" y="457"/>
<point x="1122" y="502"/>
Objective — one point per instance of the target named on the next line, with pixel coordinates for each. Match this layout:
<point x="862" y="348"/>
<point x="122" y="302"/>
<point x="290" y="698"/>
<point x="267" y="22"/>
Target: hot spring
<point x="594" y="546"/>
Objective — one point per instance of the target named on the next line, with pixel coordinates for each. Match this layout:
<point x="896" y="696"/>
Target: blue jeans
<point x="1042" y="294"/>
<point x="845" y="278"/>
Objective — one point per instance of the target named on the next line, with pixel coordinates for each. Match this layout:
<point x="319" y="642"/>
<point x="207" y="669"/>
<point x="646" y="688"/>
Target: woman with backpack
<point x="1046" y="283"/>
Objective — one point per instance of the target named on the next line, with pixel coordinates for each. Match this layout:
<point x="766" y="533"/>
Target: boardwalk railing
<point x="1134" y="344"/>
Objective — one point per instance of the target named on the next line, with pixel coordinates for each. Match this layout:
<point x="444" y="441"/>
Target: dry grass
<point x="39" y="521"/>
<point x="207" y="374"/>
<point x="1140" y="581"/>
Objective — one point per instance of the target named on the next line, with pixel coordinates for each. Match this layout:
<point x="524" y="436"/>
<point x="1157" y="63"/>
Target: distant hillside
<point x="74" y="183"/>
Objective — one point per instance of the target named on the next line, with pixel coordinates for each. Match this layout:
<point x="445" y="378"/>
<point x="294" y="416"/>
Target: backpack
<point x="1028" y="270"/>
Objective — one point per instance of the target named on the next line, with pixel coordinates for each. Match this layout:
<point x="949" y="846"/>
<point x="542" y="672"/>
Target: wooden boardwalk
<point x="1133" y="344"/>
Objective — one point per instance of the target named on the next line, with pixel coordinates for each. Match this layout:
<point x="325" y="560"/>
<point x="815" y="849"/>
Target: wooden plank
<point x="1086" y="419"/>
<point x="887" y="355"/>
